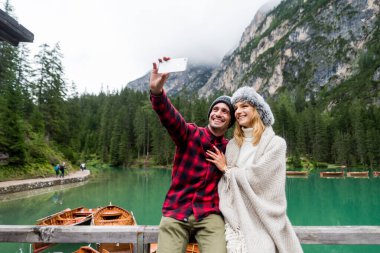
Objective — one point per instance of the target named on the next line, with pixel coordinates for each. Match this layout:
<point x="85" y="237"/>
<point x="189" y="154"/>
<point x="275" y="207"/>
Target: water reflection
<point x="40" y="191"/>
<point x="57" y="197"/>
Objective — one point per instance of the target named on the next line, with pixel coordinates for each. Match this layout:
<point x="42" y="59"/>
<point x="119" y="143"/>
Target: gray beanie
<point x="248" y="94"/>
<point x="227" y="101"/>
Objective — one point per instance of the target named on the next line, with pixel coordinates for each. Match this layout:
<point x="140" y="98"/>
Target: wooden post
<point x="140" y="242"/>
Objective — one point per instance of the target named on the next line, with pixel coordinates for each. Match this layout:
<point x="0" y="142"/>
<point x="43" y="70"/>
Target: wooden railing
<point x="142" y="236"/>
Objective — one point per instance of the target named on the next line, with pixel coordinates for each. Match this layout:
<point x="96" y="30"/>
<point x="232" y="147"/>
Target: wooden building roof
<point x="12" y="32"/>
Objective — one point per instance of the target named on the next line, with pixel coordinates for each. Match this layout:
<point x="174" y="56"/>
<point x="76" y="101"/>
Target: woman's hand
<point x="217" y="158"/>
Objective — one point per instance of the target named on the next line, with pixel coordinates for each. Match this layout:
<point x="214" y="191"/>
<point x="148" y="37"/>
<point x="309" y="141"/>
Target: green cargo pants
<point x="209" y="233"/>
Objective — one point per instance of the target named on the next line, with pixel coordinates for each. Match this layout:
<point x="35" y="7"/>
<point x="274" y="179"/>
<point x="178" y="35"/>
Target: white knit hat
<point x="248" y="94"/>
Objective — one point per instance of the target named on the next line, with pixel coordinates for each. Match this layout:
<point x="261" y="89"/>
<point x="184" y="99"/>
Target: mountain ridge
<point x="313" y="46"/>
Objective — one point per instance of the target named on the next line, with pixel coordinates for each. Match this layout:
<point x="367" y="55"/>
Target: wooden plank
<point x="149" y="234"/>
<point x="339" y="235"/>
<point x="74" y="234"/>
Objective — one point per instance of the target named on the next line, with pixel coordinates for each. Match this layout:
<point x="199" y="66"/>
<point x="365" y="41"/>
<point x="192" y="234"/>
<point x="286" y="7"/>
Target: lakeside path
<point x="36" y="183"/>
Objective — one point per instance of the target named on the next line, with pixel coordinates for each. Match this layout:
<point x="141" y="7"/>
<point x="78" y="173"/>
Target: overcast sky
<point x="113" y="42"/>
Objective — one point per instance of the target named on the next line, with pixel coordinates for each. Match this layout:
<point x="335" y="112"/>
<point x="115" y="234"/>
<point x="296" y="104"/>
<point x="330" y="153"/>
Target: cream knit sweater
<point x="253" y="201"/>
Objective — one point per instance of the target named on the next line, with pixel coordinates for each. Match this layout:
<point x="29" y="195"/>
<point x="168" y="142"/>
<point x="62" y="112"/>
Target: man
<point x="62" y="168"/>
<point x="191" y="206"/>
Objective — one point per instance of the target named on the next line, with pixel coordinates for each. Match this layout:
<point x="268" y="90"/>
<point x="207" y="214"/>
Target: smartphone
<point x="172" y="65"/>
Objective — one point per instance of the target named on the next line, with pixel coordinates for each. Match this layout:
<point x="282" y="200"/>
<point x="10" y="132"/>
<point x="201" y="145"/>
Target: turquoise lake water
<point x="312" y="201"/>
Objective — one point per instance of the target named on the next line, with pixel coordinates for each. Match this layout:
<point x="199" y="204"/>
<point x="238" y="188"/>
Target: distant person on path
<point x="62" y="169"/>
<point x="252" y="189"/>
<point x="191" y="206"/>
<point x="56" y="169"/>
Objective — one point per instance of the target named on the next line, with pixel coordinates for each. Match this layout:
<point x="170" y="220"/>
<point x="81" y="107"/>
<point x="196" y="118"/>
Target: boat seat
<point x="111" y="213"/>
<point x="125" y="221"/>
<point x="82" y="213"/>
<point x="67" y="220"/>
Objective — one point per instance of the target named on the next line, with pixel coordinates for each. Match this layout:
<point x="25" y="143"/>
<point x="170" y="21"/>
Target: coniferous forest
<point x="41" y="116"/>
<point x="43" y="120"/>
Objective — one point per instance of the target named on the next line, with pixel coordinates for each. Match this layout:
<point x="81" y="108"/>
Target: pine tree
<point x="373" y="147"/>
<point x="310" y="130"/>
<point x="23" y="76"/>
<point x="105" y="128"/>
<point x="301" y="135"/>
<point x="50" y="91"/>
<point x="199" y="111"/>
<point x="358" y="116"/>
<point x="342" y="148"/>
<point x="320" y="142"/>
<point x="12" y="139"/>
<point x="142" y="129"/>
<point x="115" y="141"/>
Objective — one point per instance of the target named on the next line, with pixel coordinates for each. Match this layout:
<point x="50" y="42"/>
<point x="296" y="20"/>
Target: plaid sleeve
<point x="170" y="118"/>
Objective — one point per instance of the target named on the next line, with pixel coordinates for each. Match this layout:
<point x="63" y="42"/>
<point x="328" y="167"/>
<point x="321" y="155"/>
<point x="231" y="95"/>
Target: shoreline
<point x="14" y="186"/>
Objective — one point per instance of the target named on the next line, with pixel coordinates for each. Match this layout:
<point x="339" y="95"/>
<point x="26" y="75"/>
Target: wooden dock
<point x="142" y="236"/>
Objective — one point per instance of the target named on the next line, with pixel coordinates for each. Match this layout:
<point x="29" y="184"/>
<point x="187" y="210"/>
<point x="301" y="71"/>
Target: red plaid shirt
<point x="194" y="184"/>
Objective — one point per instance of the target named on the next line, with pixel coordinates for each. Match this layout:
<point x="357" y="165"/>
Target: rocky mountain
<point x="311" y="47"/>
<point x="182" y="82"/>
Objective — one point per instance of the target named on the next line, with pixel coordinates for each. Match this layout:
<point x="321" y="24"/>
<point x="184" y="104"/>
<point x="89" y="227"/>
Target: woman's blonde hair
<point x="257" y="125"/>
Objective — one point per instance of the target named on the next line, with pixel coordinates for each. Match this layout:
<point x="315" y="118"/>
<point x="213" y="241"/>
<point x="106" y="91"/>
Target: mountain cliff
<point x="319" y="47"/>
<point x="315" y="45"/>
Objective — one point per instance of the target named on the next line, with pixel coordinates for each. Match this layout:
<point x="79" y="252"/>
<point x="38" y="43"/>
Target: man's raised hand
<point x="157" y="80"/>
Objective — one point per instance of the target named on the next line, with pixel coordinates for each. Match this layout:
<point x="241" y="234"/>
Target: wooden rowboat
<point x="190" y="248"/>
<point x="87" y="249"/>
<point x="297" y="173"/>
<point x="77" y="216"/>
<point x="67" y="217"/>
<point x="360" y="174"/>
<point x="331" y="174"/>
<point x="114" y="216"/>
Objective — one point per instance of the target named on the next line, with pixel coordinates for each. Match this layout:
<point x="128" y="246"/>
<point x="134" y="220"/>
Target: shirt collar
<point x="212" y="137"/>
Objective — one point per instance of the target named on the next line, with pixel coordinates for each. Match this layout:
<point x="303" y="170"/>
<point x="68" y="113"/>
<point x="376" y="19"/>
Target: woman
<point x="252" y="190"/>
